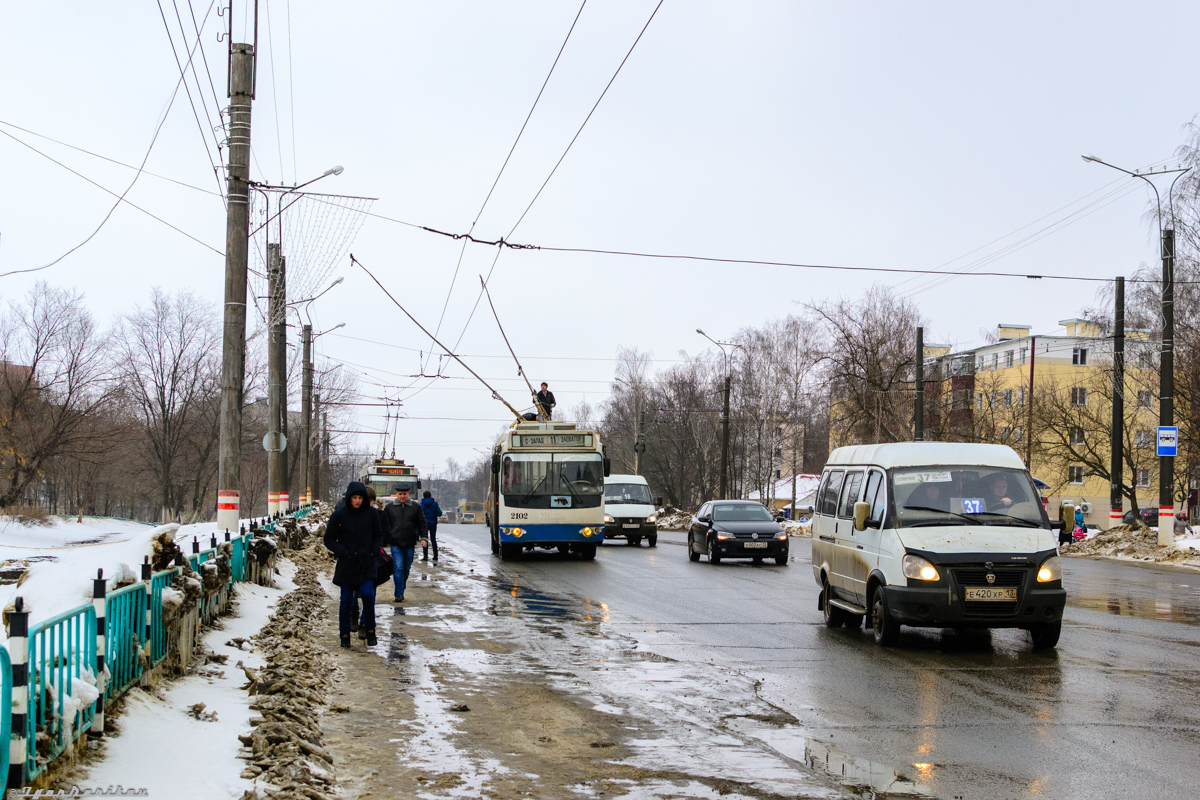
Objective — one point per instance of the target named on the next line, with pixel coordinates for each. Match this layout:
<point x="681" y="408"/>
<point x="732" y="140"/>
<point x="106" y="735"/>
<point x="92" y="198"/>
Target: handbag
<point x="385" y="566"/>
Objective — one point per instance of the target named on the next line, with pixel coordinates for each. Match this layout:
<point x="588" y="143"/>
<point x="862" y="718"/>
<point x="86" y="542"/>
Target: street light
<point x="724" y="413"/>
<point x="1166" y="399"/>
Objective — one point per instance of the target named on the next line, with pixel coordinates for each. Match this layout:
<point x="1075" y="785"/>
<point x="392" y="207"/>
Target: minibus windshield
<point x="634" y="493"/>
<point x="974" y="495"/>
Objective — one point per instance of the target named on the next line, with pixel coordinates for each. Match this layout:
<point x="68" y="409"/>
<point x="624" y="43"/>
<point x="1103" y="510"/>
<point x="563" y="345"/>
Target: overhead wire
<point x="274" y="90"/>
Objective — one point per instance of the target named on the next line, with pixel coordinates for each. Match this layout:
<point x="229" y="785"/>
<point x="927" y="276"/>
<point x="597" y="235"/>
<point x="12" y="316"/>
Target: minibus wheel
<point x="1045" y="636"/>
<point x="834" y="616"/>
<point x="887" y="630"/>
<point x="652" y="540"/>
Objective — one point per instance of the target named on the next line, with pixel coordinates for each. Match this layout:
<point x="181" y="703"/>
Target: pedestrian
<point x="545" y="402"/>
<point x="354" y="535"/>
<point x="406" y="526"/>
<point x="432" y="512"/>
<point x="1181" y="526"/>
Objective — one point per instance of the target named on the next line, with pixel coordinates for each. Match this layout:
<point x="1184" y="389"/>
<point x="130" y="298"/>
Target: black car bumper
<point x="939" y="606"/>
<point x="745" y="548"/>
<point x="617" y="530"/>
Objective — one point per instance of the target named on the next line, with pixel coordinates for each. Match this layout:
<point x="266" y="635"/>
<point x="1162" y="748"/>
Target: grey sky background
<point x="920" y="135"/>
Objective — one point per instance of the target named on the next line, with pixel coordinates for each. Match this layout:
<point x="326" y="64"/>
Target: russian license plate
<point x="756" y="545"/>
<point x="630" y="525"/>
<point x="992" y="593"/>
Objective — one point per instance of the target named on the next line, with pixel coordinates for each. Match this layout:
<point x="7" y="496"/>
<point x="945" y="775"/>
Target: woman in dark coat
<point x="354" y="535"/>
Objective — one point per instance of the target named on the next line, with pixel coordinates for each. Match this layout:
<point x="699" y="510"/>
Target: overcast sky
<point x="915" y="135"/>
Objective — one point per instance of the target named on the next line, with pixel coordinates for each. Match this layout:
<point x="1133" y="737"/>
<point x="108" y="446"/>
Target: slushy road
<point x="1113" y="712"/>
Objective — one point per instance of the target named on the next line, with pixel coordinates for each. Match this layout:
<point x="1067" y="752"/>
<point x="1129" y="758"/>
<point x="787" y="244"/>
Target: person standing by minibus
<point x="432" y="512"/>
<point x="354" y="536"/>
<point x="406" y="526"/>
<point x="545" y="402"/>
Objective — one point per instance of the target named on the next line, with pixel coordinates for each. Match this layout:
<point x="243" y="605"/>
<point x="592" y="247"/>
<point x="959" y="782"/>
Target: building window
<point x="1143" y="477"/>
<point x="992" y="399"/>
<point x="1022" y="358"/>
<point x="1075" y="474"/>
<point x="1078" y="396"/>
<point x="1008" y="358"/>
<point x="995" y="360"/>
<point x="1143" y="361"/>
<point x="1020" y="395"/>
<point x="1142" y="438"/>
<point x="1076" y="435"/>
<point x="979" y="401"/>
<point x="1008" y="393"/>
<point x="979" y="364"/>
<point x="776" y="474"/>
<point x="1079" y="356"/>
<point x="1145" y="398"/>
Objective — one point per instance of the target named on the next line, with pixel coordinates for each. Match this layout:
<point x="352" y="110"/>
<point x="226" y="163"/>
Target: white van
<point x="935" y="534"/>
<point x="629" y="510"/>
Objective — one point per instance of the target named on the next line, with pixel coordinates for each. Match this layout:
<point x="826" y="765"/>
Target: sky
<point x="919" y="135"/>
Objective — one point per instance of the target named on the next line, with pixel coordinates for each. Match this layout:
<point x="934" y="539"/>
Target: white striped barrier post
<point x="148" y="580"/>
<point x="18" y="653"/>
<point x="98" y="603"/>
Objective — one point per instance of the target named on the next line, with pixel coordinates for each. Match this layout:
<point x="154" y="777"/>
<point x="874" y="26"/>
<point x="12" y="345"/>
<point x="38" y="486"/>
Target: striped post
<point x="148" y="578"/>
<point x="98" y="603"/>
<point x="1115" y="515"/>
<point x="228" y="506"/>
<point x="18" y="653"/>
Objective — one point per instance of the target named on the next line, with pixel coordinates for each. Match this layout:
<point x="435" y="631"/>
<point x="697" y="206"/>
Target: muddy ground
<point x="476" y="689"/>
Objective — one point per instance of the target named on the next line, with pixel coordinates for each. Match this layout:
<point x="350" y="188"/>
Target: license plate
<point x="631" y="525"/>
<point x="756" y="545"/>
<point x="992" y="593"/>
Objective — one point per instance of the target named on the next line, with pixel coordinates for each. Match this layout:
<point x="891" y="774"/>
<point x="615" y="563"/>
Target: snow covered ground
<point x="159" y="736"/>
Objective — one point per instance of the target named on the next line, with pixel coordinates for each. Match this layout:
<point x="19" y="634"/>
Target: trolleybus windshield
<point x="528" y="477"/>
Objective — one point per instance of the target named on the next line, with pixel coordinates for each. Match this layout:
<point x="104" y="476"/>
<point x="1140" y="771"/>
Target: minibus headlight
<point x="651" y="518"/>
<point x="782" y="535"/>
<point x="607" y="518"/>
<point x="1051" y="570"/>
<point x="920" y="569"/>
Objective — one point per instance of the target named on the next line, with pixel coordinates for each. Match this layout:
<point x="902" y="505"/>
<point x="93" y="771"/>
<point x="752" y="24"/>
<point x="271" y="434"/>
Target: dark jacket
<point x="354" y="536"/>
<point x="406" y="524"/>
<point x="545" y="400"/>
<point x="432" y="510"/>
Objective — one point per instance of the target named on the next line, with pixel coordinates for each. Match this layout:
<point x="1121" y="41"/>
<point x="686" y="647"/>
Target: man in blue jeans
<point x="354" y="535"/>
<point x="406" y="526"/>
<point x="432" y="512"/>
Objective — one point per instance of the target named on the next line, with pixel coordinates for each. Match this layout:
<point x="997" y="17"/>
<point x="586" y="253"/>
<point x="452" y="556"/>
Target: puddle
<point x="857" y="774"/>
<point x="1140" y="608"/>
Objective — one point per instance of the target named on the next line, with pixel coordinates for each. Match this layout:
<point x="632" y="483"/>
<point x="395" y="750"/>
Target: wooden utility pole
<point x="237" y="248"/>
<point x="275" y="442"/>
<point x="1117" y="469"/>
<point x="919" y="407"/>
<point x="326" y="484"/>
<point x="305" y="412"/>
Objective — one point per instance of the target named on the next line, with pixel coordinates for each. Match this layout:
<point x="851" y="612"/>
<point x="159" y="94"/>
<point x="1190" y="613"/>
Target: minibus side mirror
<point x="495" y="463"/>
<point x="1057" y="525"/>
<point x="862" y="510"/>
<point x="607" y="467"/>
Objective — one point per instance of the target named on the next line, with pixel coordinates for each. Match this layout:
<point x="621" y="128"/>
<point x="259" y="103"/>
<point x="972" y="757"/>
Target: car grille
<point x="627" y="521"/>
<point x="977" y="576"/>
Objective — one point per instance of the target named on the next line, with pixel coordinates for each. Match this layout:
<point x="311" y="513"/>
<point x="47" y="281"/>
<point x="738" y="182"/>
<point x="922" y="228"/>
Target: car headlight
<point x="723" y="536"/>
<point x="651" y="518"/>
<point x="1051" y="570"/>
<point x="781" y="535"/>
<point x="920" y="569"/>
<point x="607" y="518"/>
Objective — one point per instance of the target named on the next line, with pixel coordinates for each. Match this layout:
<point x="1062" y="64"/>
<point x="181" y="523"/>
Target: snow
<point x="158" y="740"/>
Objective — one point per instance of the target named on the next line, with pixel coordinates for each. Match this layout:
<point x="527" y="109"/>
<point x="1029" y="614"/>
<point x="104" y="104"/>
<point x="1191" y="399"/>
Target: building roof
<point x="927" y="454"/>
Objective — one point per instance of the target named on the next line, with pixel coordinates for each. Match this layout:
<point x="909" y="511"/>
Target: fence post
<point x="18" y="652"/>
<point x="148" y="579"/>
<point x="195" y="544"/>
<point x="213" y="541"/>
<point x="227" y="534"/>
<point x="99" y="604"/>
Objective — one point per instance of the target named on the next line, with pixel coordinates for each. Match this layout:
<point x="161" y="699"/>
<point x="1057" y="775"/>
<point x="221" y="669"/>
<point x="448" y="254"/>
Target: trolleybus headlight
<point x="587" y="531"/>
<point x="1051" y="570"/>
<point x="607" y="518"/>
<point x="919" y="568"/>
<point x="650" y="518"/>
<point x="518" y="532"/>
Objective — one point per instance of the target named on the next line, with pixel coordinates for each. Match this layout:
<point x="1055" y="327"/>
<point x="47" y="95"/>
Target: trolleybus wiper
<point x="536" y="486"/>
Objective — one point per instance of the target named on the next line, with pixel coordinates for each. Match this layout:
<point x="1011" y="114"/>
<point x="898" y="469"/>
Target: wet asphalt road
<point x="1114" y="712"/>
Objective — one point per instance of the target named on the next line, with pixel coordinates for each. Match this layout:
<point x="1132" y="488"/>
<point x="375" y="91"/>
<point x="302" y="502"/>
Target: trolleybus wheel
<point x="509" y="552"/>
<point x="588" y="551"/>
<point x="495" y="544"/>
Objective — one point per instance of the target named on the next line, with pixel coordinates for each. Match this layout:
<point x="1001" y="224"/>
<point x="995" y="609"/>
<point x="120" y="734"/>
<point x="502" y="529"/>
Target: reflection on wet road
<point x="1113" y="712"/>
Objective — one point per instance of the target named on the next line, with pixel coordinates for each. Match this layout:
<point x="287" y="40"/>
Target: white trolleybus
<point x="385" y="475"/>
<point x="547" y="490"/>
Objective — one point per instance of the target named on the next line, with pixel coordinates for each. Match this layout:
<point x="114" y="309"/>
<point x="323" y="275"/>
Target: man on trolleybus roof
<point x="545" y="402"/>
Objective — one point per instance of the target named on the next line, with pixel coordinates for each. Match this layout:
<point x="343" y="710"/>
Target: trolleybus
<point x="547" y="490"/>
<point x="387" y="475"/>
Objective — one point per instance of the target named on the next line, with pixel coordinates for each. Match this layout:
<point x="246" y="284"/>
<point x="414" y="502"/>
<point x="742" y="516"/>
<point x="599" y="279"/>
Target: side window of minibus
<point x="850" y="494"/>
<point x="829" y="498"/>
<point x="877" y="497"/>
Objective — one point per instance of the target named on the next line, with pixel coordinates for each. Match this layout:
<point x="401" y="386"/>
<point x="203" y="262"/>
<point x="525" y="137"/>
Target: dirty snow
<point x="1137" y="543"/>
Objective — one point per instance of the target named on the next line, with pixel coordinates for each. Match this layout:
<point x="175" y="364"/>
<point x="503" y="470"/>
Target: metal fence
<point x="61" y="659"/>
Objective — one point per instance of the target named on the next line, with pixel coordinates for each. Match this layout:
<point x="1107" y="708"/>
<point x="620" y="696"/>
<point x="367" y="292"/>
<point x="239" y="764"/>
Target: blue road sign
<point x="1168" y="441"/>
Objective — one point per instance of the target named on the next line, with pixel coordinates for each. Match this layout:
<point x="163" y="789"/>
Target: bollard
<point x="18" y="651"/>
<point x="195" y="544"/>
<point x="227" y="534"/>
<point x="214" y="540"/>
<point x="98" y="603"/>
<point x="148" y="578"/>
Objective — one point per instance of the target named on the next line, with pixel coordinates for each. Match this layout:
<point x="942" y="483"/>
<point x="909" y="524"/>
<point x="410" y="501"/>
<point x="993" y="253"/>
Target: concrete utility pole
<point x="639" y="446"/>
<point x="326" y="483"/>
<point x="1029" y="406"/>
<point x="276" y="401"/>
<point x="314" y="443"/>
<point x="725" y="441"/>
<point x="237" y="247"/>
<point x="305" y="412"/>
<point x="1116" y="469"/>
<point x="919" y="407"/>
<point x="1166" y="397"/>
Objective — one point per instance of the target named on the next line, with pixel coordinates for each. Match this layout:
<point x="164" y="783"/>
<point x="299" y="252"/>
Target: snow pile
<point x="801" y="529"/>
<point x="674" y="521"/>
<point x="1138" y="543"/>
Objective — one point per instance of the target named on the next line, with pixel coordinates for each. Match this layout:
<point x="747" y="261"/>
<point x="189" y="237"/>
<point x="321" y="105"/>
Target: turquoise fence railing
<point x="62" y="650"/>
<point x="158" y="631"/>
<point x="237" y="561"/>
<point x="5" y="717"/>
<point x="124" y="621"/>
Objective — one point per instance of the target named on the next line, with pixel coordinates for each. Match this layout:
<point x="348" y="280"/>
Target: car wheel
<point x="782" y="560"/>
<point x="588" y="551"/>
<point x="634" y="541"/>
<point x="834" y="616"/>
<point x="713" y="556"/>
<point x="652" y="540"/>
<point x="887" y="630"/>
<point x="693" y="553"/>
<point x="1045" y="636"/>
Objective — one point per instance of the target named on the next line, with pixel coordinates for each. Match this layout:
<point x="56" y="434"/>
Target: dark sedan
<point x="736" y="529"/>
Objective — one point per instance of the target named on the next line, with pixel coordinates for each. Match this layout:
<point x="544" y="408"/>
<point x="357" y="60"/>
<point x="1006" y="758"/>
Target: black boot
<point x="371" y="640"/>
<point x="345" y="640"/>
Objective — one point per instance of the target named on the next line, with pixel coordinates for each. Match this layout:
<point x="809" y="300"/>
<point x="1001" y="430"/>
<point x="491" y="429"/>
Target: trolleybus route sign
<point x="552" y="440"/>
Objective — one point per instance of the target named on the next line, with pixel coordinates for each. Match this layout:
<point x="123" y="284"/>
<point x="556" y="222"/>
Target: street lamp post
<point x="1166" y="395"/>
<point x="724" y="414"/>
